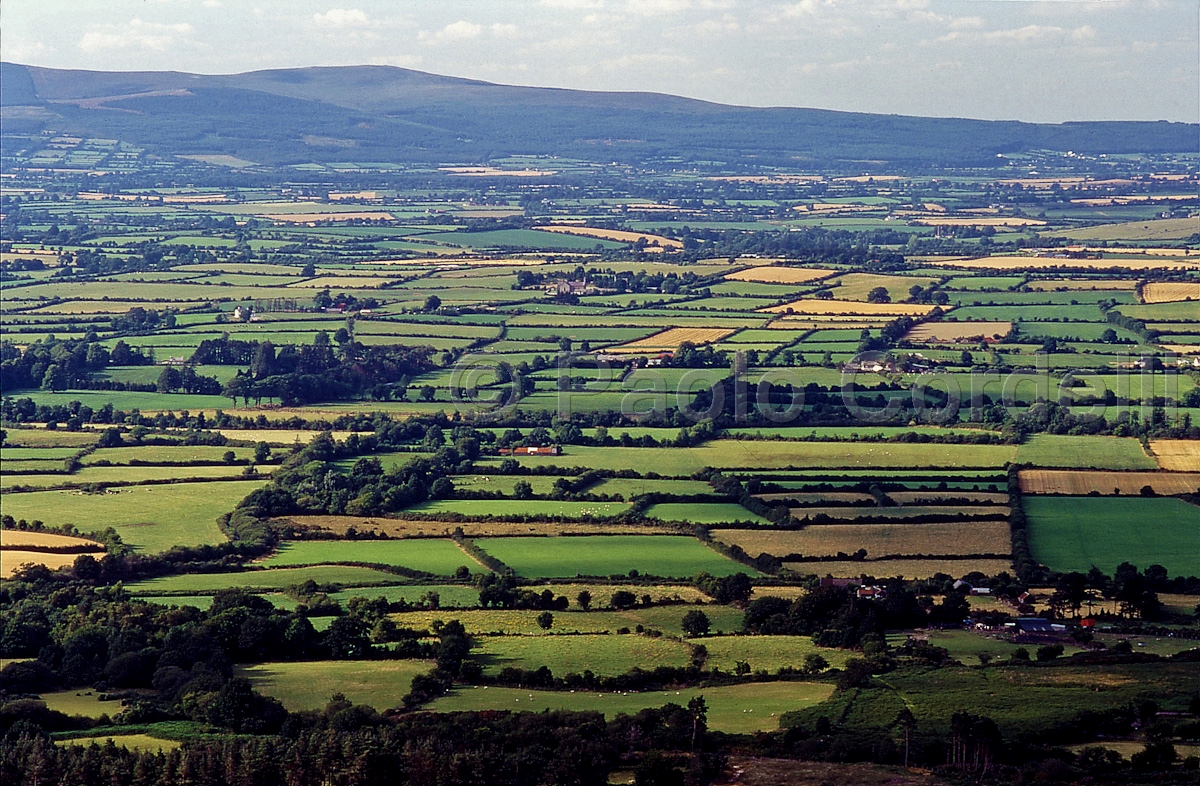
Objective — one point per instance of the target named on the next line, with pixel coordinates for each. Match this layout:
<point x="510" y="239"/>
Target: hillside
<point x="380" y="113"/>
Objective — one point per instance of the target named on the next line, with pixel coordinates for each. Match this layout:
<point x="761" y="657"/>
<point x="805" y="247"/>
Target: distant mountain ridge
<point x="383" y="113"/>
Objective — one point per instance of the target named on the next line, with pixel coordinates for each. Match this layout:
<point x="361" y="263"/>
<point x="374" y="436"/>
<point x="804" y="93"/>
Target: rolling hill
<point x="381" y="113"/>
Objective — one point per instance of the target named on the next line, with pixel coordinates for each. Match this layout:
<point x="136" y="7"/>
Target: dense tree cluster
<point x="319" y="371"/>
<point x="54" y="364"/>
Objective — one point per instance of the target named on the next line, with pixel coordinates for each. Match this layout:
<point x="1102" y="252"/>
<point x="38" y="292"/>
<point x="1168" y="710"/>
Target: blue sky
<point x="1037" y="60"/>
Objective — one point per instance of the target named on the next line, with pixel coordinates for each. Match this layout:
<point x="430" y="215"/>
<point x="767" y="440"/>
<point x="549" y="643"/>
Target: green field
<point x="1023" y="702"/>
<point x="667" y="619"/>
<point x="730" y="454"/>
<point x="609" y="555"/>
<point x="85" y="703"/>
<point x="134" y="742"/>
<point x="604" y="655"/>
<point x="1077" y="533"/>
<point x="275" y="579"/>
<point x="428" y="555"/>
<point x="703" y="512"/>
<point x="150" y="518"/>
<point x="733" y="709"/>
<point x="766" y="653"/>
<point x="119" y="475"/>
<point x="1084" y="452"/>
<point x="309" y="686"/>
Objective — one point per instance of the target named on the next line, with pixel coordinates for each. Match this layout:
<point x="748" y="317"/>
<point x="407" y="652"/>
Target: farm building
<point x="532" y="450"/>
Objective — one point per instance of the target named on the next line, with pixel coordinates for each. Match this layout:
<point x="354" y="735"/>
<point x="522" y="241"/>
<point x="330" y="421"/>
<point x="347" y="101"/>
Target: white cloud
<point x="401" y="61"/>
<point x="571" y="5"/>
<point x="966" y="23"/>
<point x="503" y="30"/>
<point x="462" y="30"/>
<point x="24" y="51"/>
<point x="1023" y="34"/>
<point x="1085" y="33"/>
<point x="341" y="17"/>
<point x="212" y="3"/>
<point x="134" y="34"/>
<point x="644" y="60"/>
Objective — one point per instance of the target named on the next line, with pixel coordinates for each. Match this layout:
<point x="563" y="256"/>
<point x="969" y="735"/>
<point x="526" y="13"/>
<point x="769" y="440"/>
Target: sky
<point x="1033" y="60"/>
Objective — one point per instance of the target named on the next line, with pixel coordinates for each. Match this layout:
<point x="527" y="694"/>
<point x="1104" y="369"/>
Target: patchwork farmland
<point x="805" y="448"/>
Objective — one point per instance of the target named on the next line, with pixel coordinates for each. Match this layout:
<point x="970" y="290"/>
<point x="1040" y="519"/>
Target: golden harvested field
<point x="1139" y="251"/>
<point x="401" y="528"/>
<point x="670" y="339"/>
<point x="812" y="323"/>
<point x="812" y="306"/>
<point x="1181" y="349"/>
<point x="1020" y="262"/>
<point x="1102" y="284"/>
<point x="1170" y="291"/>
<point x="1178" y="455"/>
<point x="1078" y="482"/>
<point x="880" y="540"/>
<point x="613" y="234"/>
<point x="48" y="258"/>
<point x="304" y="218"/>
<point x="906" y="568"/>
<point x="979" y="221"/>
<point x="20" y="539"/>
<point x="949" y="331"/>
<point x="11" y="559"/>
<point x="771" y="274"/>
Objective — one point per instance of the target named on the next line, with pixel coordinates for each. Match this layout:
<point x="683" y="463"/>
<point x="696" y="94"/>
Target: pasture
<point x="601" y="619"/>
<point x="615" y="555"/>
<point x="732" y="709"/>
<point x="427" y="555"/>
<point x="1084" y="452"/>
<point x="150" y="518"/>
<point x="275" y="579"/>
<point x="310" y="685"/>
<point x="1077" y="533"/>
<point x="702" y="513"/>
<point x="766" y="653"/>
<point x="603" y="655"/>
<point x="880" y="540"/>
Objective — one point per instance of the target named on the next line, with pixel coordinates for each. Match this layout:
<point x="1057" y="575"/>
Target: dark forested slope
<point x="379" y="113"/>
